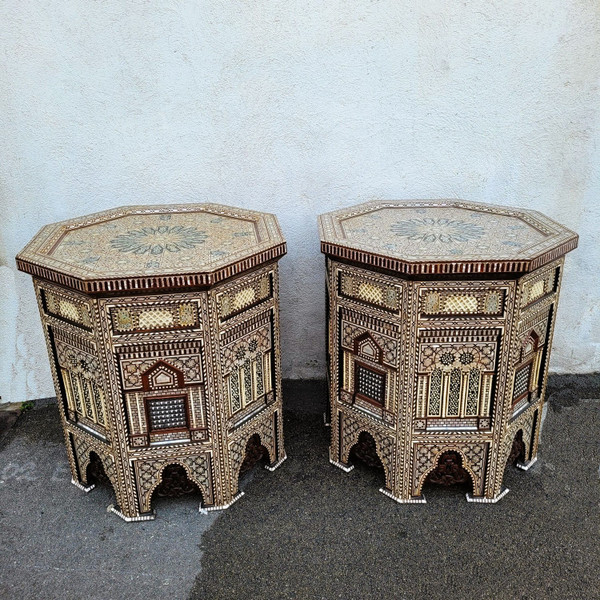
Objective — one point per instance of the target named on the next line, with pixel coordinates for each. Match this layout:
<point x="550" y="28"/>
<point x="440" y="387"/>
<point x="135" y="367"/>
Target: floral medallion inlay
<point x="437" y="230"/>
<point x="156" y="240"/>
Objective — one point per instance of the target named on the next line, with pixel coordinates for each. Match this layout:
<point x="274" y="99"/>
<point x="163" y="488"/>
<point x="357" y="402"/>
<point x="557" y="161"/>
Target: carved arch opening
<point x="267" y="434"/>
<point x="255" y="451"/>
<point x="435" y="463"/>
<point x="98" y="471"/>
<point x="152" y="476"/>
<point x="175" y="482"/>
<point x="449" y="471"/>
<point x="371" y="448"/>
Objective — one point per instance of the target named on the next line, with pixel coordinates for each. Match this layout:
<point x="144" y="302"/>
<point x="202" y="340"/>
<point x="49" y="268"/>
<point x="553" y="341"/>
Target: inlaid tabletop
<point x="151" y="247"/>
<point x="443" y="236"/>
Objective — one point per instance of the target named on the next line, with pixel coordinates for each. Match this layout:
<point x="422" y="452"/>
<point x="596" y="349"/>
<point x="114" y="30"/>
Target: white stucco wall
<point x="296" y="107"/>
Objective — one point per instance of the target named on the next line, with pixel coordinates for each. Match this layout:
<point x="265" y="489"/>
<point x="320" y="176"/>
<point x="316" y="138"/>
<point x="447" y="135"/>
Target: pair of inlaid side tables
<point x="162" y="327"/>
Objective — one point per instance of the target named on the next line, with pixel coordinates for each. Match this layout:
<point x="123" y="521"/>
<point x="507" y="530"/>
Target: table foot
<point x="277" y="464"/>
<point x="525" y="466"/>
<point x="145" y="517"/>
<point x="341" y="466"/>
<point x="483" y="500"/>
<point x="82" y="487"/>
<point x="224" y="506"/>
<point x="417" y="500"/>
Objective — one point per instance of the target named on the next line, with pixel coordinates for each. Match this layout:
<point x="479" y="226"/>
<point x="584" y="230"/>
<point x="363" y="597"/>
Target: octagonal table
<point x="162" y="327"/>
<point x="440" y="323"/>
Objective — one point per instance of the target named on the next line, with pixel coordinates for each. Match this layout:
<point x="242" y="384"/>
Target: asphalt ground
<point x="309" y="530"/>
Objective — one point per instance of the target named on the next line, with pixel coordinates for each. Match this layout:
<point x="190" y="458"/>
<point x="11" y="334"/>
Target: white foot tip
<point x="277" y="464"/>
<point x="420" y="500"/>
<point x="525" y="466"/>
<point x="339" y="465"/>
<point x="482" y="500"/>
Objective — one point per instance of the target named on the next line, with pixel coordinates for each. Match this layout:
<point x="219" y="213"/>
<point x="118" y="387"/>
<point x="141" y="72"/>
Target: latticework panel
<point x="154" y="317"/>
<point x="483" y="302"/>
<point x="370" y="291"/>
<point x="242" y="297"/>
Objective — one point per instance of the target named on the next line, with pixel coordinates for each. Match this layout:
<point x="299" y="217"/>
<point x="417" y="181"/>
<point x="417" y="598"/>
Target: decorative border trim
<point x="561" y="240"/>
<point x="154" y="282"/>
<point x="482" y="500"/>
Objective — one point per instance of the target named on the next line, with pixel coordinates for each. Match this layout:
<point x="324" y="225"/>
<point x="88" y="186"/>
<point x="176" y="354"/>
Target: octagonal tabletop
<point x="422" y="237"/>
<point x="153" y="247"/>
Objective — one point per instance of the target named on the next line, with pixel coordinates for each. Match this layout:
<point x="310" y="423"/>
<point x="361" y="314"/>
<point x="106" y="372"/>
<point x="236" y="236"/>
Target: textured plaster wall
<point x="296" y="107"/>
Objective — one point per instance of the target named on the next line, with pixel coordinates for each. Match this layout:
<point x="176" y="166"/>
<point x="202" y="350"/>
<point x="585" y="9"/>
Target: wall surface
<point x="297" y="107"/>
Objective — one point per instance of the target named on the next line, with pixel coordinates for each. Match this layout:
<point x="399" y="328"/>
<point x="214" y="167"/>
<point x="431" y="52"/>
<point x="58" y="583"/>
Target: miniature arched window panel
<point x="249" y="381"/>
<point x="527" y="375"/>
<point x="366" y="347"/>
<point x="85" y="397"/>
<point x="458" y="384"/>
<point x="455" y="393"/>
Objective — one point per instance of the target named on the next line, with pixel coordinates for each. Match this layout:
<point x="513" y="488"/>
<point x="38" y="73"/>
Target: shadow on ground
<point x="310" y="530"/>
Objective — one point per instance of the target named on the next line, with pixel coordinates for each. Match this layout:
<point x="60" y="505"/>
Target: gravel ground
<point x="309" y="530"/>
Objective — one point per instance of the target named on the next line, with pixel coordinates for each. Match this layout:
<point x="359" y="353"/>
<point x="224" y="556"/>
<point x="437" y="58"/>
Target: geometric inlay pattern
<point x="129" y="319"/>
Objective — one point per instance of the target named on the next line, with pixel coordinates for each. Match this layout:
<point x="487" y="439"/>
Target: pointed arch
<point x="366" y="347"/>
<point x="150" y="475"/>
<point x="383" y="448"/>
<point x="162" y="375"/>
<point x="466" y="465"/>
